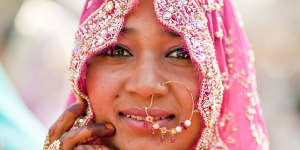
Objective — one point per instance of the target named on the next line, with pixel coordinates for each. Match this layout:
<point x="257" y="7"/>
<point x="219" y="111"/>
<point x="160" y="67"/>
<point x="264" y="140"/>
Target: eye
<point x="178" y="53"/>
<point x="116" y="51"/>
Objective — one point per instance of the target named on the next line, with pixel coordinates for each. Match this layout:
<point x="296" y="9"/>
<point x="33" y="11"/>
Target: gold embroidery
<point x="226" y="117"/>
<point x="256" y="129"/>
<point x="229" y="51"/>
<point x="212" y="5"/>
<point x="219" y="33"/>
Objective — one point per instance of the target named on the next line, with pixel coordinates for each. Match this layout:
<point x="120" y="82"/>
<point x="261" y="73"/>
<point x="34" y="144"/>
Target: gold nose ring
<point x="164" y="131"/>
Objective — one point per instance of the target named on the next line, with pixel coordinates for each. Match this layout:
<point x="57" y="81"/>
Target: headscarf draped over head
<point x="228" y="101"/>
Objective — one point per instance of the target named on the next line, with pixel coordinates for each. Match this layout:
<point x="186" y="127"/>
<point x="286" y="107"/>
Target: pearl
<point x="178" y="129"/>
<point x="188" y="123"/>
<point x="183" y="125"/>
<point x="155" y="126"/>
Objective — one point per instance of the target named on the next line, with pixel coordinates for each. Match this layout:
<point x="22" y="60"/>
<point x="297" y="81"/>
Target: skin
<point x="134" y="70"/>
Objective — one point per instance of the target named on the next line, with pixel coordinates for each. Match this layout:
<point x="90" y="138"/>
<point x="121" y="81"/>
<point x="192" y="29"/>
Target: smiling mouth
<point x="135" y="118"/>
<point x="143" y="118"/>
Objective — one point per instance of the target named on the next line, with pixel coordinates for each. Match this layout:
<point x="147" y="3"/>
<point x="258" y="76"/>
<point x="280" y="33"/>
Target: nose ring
<point x="164" y="131"/>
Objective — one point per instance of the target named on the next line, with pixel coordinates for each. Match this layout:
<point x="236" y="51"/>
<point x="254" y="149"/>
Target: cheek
<point x="188" y="96"/>
<point x="101" y="90"/>
<point x="192" y="86"/>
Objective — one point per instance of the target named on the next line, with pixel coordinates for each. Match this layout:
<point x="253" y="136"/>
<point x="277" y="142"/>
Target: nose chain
<point x="165" y="132"/>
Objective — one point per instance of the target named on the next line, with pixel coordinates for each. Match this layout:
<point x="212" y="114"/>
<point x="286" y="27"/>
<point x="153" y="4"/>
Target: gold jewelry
<point x="84" y="120"/>
<point x="55" y="145"/>
<point x="46" y="143"/>
<point x="163" y="130"/>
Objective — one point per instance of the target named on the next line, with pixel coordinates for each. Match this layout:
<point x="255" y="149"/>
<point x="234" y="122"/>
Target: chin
<point x="145" y="143"/>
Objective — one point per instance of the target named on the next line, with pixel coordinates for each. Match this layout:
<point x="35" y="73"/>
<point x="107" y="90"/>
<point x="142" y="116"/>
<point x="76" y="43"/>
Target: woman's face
<point x="121" y="81"/>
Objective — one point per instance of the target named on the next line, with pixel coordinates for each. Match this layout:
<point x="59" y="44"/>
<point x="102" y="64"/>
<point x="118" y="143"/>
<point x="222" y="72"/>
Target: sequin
<point x="109" y="6"/>
<point x="167" y="15"/>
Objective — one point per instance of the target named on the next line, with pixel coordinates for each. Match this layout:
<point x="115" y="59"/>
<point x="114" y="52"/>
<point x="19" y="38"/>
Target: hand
<point x="70" y="139"/>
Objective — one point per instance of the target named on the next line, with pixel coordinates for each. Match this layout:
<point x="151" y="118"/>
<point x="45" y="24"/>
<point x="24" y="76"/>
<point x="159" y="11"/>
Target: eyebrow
<point x="172" y="33"/>
<point x="128" y="30"/>
<point x="133" y="31"/>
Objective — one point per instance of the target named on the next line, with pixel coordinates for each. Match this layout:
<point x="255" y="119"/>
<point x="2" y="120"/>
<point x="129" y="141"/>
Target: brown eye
<point x="117" y="51"/>
<point x="178" y="53"/>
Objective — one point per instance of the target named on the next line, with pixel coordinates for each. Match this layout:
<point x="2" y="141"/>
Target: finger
<point x="65" y="121"/>
<point x="80" y="135"/>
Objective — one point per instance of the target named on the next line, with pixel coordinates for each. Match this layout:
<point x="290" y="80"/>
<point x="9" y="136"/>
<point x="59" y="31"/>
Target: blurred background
<point x="36" y="38"/>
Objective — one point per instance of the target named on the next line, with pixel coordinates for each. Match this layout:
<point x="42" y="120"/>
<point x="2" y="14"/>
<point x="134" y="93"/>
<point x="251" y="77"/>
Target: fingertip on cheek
<point x="103" y="130"/>
<point x="109" y="126"/>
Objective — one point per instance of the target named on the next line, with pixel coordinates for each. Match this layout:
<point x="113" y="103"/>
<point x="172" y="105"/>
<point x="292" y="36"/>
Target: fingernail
<point x="109" y="126"/>
<point x="103" y="130"/>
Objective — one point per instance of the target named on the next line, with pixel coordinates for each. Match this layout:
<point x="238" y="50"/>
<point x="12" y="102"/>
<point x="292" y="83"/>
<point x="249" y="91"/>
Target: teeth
<point x="135" y="117"/>
<point x="143" y="118"/>
<point x="139" y="118"/>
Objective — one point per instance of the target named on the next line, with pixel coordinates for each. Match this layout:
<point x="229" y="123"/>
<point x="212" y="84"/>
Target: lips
<point x="135" y="118"/>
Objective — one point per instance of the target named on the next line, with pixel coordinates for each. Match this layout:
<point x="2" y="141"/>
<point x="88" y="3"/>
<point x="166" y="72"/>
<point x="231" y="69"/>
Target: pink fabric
<point x="240" y="124"/>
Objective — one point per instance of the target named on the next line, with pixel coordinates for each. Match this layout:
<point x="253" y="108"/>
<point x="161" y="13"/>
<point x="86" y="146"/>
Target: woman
<point x="137" y="66"/>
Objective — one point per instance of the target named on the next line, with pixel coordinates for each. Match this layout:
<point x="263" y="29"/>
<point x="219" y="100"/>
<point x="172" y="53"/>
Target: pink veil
<point x="229" y="102"/>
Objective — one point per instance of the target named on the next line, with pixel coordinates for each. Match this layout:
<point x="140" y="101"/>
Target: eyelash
<point x="116" y="51"/>
<point x="119" y="51"/>
<point x="181" y="53"/>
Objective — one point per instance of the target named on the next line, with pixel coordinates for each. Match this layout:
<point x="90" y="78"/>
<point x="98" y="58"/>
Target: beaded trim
<point x="184" y="16"/>
<point x="212" y="5"/>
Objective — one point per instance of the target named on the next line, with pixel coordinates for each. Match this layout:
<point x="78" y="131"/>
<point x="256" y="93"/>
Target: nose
<point x="147" y="79"/>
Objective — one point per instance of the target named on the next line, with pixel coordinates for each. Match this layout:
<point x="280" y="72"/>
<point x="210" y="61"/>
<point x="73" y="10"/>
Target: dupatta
<point x="228" y="102"/>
